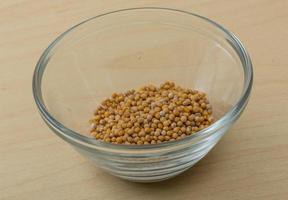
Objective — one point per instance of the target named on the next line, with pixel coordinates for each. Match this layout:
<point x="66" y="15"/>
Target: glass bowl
<point x="130" y="48"/>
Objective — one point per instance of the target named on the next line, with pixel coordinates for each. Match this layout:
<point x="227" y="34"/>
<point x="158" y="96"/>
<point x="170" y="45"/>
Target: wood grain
<point x="250" y="162"/>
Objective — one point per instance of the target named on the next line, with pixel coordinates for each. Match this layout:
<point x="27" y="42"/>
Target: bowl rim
<point x="82" y="140"/>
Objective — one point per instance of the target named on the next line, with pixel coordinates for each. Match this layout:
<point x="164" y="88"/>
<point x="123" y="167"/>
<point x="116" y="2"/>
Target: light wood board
<point x="250" y="162"/>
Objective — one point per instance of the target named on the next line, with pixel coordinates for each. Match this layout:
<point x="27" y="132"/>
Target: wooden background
<point x="250" y="162"/>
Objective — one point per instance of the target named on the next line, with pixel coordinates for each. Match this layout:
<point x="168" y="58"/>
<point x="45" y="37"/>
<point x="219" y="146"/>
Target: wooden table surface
<point x="250" y="162"/>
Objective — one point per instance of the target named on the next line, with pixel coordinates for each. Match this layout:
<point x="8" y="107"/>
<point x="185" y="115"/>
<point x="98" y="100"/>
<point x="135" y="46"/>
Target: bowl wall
<point x="128" y="49"/>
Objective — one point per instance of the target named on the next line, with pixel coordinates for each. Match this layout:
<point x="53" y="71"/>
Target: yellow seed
<point x="186" y="102"/>
<point x="120" y="132"/>
<point x="187" y="123"/>
<point x="157" y="132"/>
<point x="136" y="139"/>
<point x="155" y="121"/>
<point x="174" y="135"/>
<point x="183" y="129"/>
<point x="162" y="119"/>
<point x="194" y="128"/>
<point x="97" y="117"/>
<point x="157" y="109"/>
<point x="137" y="129"/>
<point x="139" y="142"/>
<point x="125" y="137"/>
<point x="203" y="105"/>
<point x="171" y="117"/>
<point x="141" y="133"/>
<point x="166" y="123"/>
<point x="157" y="115"/>
<point x="176" y="129"/>
<point x="179" y="123"/>
<point x="129" y="139"/>
<point x="119" y="140"/>
<point x="129" y="124"/>
<point x="148" y="138"/>
<point x="146" y="109"/>
<point x="93" y="134"/>
<point x="146" y="125"/>
<point x="130" y="131"/>
<point x="210" y="119"/>
<point x="170" y="95"/>
<point x="161" y="138"/>
<point x="167" y="137"/>
<point x="107" y="140"/>
<point x="197" y="119"/>
<point x="162" y="113"/>
<point x="147" y="130"/>
<point x="151" y="115"/>
<point x="183" y="118"/>
<point x="160" y="125"/>
<point x="173" y="125"/>
<point x="153" y="125"/>
<point x="176" y="112"/>
<point x="166" y="128"/>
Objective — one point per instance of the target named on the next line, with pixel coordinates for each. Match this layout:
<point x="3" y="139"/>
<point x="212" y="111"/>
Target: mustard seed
<point x="151" y="115"/>
<point x="179" y="123"/>
<point x="139" y="142"/>
<point x="167" y="137"/>
<point x="183" y="118"/>
<point x="153" y="142"/>
<point x="174" y="135"/>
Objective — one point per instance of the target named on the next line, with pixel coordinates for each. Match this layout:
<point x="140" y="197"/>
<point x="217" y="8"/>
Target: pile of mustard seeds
<point x="151" y="115"/>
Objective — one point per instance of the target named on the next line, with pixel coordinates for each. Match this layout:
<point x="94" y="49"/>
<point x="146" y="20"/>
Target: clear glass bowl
<point x="129" y="48"/>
